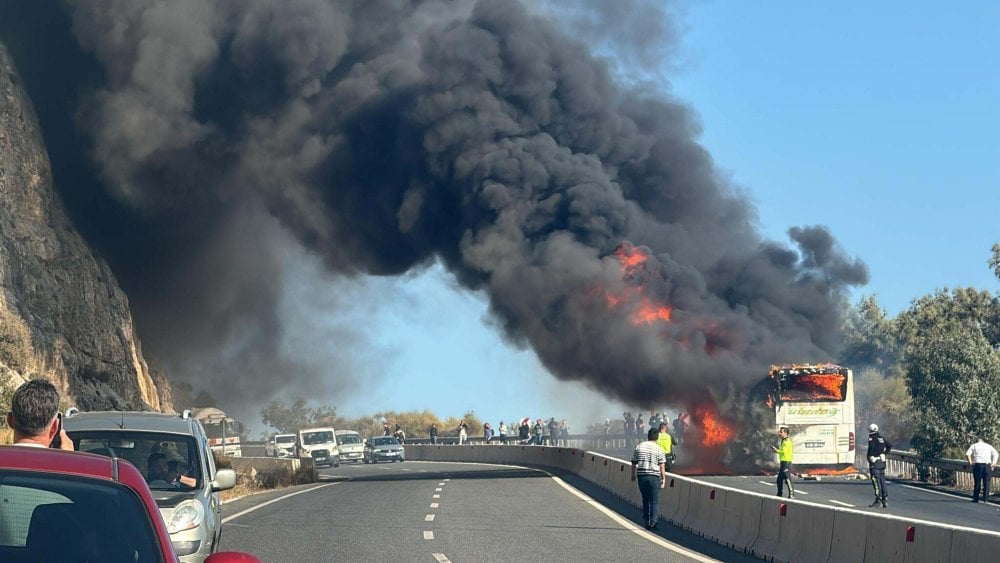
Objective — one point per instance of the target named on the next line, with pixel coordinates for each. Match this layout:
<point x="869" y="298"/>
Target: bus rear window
<point x="812" y="388"/>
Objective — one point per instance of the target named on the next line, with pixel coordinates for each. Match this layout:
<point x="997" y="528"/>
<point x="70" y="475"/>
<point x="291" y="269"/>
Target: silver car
<point x="384" y="448"/>
<point x="172" y="452"/>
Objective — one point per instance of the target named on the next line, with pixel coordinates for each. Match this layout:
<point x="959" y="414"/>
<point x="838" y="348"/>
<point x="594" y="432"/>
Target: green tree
<point x="885" y="400"/>
<point x="870" y="338"/>
<point x="953" y="372"/>
<point x="995" y="260"/>
<point x="287" y="419"/>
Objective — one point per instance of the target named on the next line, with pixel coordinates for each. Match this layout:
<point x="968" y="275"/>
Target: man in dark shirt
<point x="878" y="447"/>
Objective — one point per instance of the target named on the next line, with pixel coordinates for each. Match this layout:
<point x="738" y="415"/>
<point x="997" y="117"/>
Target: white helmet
<point x="873" y="427"/>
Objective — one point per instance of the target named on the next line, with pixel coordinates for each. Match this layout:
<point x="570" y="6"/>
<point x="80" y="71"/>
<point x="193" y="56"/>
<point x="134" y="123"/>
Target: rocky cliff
<point x="78" y="320"/>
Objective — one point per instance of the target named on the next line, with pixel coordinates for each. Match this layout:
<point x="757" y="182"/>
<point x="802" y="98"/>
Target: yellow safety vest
<point x="785" y="450"/>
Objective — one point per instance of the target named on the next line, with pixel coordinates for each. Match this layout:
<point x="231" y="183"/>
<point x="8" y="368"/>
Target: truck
<point x="223" y="431"/>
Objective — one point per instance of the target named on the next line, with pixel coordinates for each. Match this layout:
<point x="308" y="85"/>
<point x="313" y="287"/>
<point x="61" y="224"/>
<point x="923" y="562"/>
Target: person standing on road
<point x="34" y="416"/>
<point x="434" y="433"/>
<point x="463" y="432"/>
<point x="878" y="447"/>
<point x="503" y="432"/>
<point x="629" y="429"/>
<point x="564" y="432"/>
<point x="784" y="451"/>
<point x="983" y="458"/>
<point x="666" y="443"/>
<point x="649" y="468"/>
<point x="607" y="432"/>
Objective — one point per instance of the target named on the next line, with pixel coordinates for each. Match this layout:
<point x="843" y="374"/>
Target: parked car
<point x="384" y="448"/>
<point x="351" y="445"/>
<point x="321" y="445"/>
<point x="174" y="454"/>
<point x="69" y="506"/>
<point x="281" y="445"/>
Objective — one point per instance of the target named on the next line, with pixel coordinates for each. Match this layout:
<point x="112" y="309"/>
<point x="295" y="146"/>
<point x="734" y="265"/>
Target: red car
<point x="68" y="506"/>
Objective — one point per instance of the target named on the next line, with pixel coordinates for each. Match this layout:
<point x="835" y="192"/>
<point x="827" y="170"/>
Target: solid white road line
<point x="434" y="505"/>
<point x="428" y="535"/>
<point x="842" y="503"/>
<point x="629" y="525"/>
<point x="441" y="558"/>
<point x="429" y="518"/>
<point x="944" y="494"/>
<point x="283" y="497"/>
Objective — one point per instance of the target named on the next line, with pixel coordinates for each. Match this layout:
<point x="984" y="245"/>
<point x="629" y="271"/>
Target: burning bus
<point x="816" y="403"/>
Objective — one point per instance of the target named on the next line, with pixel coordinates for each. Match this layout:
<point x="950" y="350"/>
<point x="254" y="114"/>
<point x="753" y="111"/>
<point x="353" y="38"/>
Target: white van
<point x="321" y="445"/>
<point x="351" y="445"/>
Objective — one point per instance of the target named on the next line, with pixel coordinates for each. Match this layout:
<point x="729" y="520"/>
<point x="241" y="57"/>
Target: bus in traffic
<point x="816" y="403"/>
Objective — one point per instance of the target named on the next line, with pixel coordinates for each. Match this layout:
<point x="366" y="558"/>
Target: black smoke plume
<point x="205" y="147"/>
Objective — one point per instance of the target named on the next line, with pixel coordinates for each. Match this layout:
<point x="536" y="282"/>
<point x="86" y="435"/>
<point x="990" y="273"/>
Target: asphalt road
<point x="428" y="511"/>
<point x="908" y="500"/>
<point x="904" y="500"/>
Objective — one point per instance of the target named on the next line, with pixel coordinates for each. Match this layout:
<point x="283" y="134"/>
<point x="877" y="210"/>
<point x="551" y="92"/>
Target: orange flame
<point x="716" y="431"/>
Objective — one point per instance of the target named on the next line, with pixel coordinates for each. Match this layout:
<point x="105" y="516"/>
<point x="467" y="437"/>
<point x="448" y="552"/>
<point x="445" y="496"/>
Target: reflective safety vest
<point x="785" y="450"/>
<point x="665" y="442"/>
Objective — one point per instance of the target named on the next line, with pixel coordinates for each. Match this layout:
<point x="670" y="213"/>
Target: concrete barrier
<point x="746" y="521"/>
<point x="741" y="523"/>
<point x="805" y="533"/>
<point x="850" y="534"/>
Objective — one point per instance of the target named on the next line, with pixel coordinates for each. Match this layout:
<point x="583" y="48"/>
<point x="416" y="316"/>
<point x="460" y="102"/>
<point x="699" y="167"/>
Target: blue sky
<point x="878" y="120"/>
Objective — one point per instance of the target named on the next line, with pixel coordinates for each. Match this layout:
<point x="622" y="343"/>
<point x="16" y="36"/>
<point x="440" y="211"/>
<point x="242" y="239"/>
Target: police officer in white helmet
<point x="878" y="447"/>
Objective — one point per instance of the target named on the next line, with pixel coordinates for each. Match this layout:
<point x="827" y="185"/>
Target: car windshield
<point x="385" y="441"/>
<point x="170" y="462"/>
<point x="61" y="518"/>
<point x="347" y="439"/>
<point x="320" y="437"/>
<point x="284" y="439"/>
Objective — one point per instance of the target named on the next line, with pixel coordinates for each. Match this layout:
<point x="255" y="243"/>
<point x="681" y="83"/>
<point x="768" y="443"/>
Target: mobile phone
<point x="57" y="440"/>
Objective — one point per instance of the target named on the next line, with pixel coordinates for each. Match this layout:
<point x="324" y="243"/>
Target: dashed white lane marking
<point x="434" y="505"/>
<point x="428" y="535"/>
<point x="446" y="480"/>
<point x="429" y="518"/>
<point x="274" y="500"/>
<point x="842" y="503"/>
<point x="765" y="483"/>
<point x="801" y="492"/>
<point x="440" y="484"/>
<point x="441" y="558"/>
<point x="436" y="496"/>
<point x="629" y="525"/>
<point x="438" y="490"/>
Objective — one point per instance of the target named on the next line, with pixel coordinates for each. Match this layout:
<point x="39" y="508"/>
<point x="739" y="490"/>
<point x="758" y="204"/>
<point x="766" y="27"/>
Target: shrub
<point x="15" y="341"/>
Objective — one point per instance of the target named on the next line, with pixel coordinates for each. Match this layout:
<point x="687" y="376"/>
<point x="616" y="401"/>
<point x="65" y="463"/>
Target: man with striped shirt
<point x="649" y="468"/>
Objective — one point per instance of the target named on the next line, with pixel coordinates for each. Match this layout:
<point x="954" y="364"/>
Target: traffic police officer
<point x="878" y="447"/>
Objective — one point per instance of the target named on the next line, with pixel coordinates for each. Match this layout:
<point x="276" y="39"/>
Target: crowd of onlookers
<point x="556" y="432"/>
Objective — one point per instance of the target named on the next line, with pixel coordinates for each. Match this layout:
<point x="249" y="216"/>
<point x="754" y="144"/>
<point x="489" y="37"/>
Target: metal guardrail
<point x="950" y="472"/>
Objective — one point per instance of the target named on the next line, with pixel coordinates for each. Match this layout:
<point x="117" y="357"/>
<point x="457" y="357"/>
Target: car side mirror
<point x="231" y="557"/>
<point x="225" y="479"/>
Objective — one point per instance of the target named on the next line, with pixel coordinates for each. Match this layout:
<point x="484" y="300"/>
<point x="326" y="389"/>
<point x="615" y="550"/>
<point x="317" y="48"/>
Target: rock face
<point x="80" y="325"/>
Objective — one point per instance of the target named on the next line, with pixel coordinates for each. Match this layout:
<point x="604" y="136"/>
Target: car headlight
<point x="188" y="514"/>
